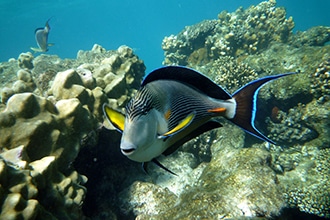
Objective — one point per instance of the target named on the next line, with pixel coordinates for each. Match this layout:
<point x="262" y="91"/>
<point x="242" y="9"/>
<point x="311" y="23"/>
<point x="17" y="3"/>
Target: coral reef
<point x="289" y="128"/>
<point x="45" y="139"/>
<point x="307" y="186"/>
<point x="320" y="87"/>
<point x="50" y="110"/>
<point x="259" y="41"/>
<point x="53" y="135"/>
<point x="147" y="199"/>
<point x="25" y="60"/>
<point x="120" y="68"/>
<point x="37" y="149"/>
<point x="315" y="36"/>
<point x="228" y="72"/>
<point x="191" y="38"/>
<point x="233" y="184"/>
<point x="239" y="33"/>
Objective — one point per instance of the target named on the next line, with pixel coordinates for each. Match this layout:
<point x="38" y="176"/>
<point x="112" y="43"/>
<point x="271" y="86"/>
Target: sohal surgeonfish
<point x="41" y="35"/>
<point x="176" y="104"/>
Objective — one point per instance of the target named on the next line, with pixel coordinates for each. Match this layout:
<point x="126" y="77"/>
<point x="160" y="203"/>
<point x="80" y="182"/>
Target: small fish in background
<point x="41" y="35"/>
<point x="176" y="104"/>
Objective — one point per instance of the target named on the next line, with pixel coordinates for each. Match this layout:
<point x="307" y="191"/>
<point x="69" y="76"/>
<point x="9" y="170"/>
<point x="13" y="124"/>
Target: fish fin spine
<point x="220" y="111"/>
<point x="246" y="105"/>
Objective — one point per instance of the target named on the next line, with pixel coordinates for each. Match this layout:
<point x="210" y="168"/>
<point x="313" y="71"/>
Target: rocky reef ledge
<point x="57" y="160"/>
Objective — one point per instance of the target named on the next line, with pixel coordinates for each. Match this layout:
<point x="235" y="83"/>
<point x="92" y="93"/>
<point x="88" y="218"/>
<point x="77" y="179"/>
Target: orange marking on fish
<point x="167" y="114"/>
<point x="217" y="110"/>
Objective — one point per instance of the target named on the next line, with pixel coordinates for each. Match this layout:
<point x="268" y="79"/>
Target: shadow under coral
<point x="108" y="172"/>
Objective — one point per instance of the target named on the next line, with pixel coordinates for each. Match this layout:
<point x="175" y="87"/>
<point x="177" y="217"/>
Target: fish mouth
<point x="127" y="151"/>
<point x="127" y="148"/>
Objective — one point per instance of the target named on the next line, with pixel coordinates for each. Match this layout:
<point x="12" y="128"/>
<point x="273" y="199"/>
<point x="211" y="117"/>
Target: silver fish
<point x="176" y="104"/>
<point x="41" y="36"/>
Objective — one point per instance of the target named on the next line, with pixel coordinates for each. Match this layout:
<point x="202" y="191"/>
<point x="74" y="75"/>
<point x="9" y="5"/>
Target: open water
<point x="79" y="24"/>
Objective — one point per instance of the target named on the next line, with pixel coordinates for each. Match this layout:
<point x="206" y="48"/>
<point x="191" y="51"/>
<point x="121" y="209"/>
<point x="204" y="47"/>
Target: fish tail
<point x="246" y="105"/>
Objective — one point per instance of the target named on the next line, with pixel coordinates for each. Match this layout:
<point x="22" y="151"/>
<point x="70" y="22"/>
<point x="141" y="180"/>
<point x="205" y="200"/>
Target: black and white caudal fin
<point x="246" y="105"/>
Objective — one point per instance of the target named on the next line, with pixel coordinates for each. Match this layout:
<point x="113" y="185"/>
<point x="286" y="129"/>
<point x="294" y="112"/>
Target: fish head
<point x="140" y="140"/>
<point x="140" y="133"/>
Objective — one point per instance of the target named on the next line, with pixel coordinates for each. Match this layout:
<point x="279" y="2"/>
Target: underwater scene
<point x="221" y="115"/>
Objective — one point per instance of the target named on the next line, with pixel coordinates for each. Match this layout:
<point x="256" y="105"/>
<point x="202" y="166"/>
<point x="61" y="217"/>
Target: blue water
<point x="79" y="24"/>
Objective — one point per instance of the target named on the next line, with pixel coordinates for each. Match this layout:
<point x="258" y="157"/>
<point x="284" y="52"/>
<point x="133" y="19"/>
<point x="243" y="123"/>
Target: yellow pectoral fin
<point x="116" y="118"/>
<point x="182" y="125"/>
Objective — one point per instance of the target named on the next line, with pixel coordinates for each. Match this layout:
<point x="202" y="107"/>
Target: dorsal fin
<point x="189" y="77"/>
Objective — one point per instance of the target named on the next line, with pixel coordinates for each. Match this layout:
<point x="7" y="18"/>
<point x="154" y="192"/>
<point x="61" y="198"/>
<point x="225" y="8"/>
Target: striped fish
<point x="176" y="104"/>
